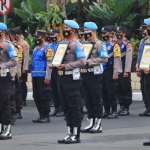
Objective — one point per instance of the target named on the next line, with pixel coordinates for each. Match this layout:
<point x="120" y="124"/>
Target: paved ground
<point x="124" y="133"/>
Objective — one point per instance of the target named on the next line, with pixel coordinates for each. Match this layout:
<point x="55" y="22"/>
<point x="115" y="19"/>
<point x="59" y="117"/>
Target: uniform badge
<point x="49" y="54"/>
<point x="108" y="48"/>
<point x="60" y="73"/>
<point x="122" y="46"/>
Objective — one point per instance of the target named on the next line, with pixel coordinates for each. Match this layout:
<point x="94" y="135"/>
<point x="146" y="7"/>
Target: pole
<point x="5" y="19"/>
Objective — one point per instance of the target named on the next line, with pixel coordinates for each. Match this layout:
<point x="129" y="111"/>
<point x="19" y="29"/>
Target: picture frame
<point x="145" y="58"/>
<point x="87" y="48"/>
<point x="60" y="53"/>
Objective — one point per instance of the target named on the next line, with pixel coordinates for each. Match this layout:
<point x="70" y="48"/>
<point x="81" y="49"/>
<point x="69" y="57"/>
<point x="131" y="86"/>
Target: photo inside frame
<point x="87" y="49"/>
<point x="145" y="59"/>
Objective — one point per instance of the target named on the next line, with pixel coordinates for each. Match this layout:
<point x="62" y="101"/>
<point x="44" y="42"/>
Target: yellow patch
<point x="116" y="50"/>
<point x="19" y="51"/>
<point x="49" y="54"/>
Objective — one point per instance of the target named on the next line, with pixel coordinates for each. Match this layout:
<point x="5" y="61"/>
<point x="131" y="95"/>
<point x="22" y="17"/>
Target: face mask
<point x="87" y="35"/>
<point x="53" y="38"/>
<point x="148" y="32"/>
<point x="38" y="41"/>
<point x="143" y="35"/>
<point x="105" y="38"/>
<point x="119" y="36"/>
<point x="48" y="39"/>
<point x="66" y="33"/>
<point x="80" y="36"/>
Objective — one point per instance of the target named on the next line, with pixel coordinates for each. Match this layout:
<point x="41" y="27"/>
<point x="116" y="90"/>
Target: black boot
<point x="146" y="143"/>
<point x="125" y="111"/>
<point x="146" y="112"/>
<point x="44" y="119"/>
<point x="6" y="133"/>
<point x="107" y="112"/>
<point x="114" y="113"/>
<point x="69" y="134"/>
<point x="121" y="108"/>
<point x="54" y="112"/>
<point x="1" y="128"/>
<point x="97" y="126"/>
<point x="89" y="126"/>
<point x="75" y="138"/>
<point x="18" y="115"/>
<point x="37" y="120"/>
<point x="60" y="113"/>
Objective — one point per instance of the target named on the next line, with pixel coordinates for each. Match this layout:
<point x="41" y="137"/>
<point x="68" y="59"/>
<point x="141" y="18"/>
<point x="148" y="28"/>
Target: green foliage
<point x="53" y="16"/>
<point x="71" y="6"/>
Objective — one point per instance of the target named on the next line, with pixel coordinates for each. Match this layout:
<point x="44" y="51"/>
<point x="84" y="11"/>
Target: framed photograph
<point x="60" y="53"/>
<point x="87" y="48"/>
<point x="145" y="59"/>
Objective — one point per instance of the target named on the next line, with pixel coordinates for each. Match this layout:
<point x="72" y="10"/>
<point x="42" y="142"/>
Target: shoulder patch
<point x="116" y="50"/>
<point x="49" y="54"/>
<point x="26" y="46"/>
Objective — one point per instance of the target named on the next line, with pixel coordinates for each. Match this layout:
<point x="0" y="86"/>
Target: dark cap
<point x="17" y="31"/>
<point x="7" y="32"/>
<point x="81" y="29"/>
<point x="121" y="29"/>
<point x="143" y="27"/>
<point x="12" y="32"/>
<point x="53" y="31"/>
<point x="113" y="28"/>
<point x="40" y="33"/>
<point x="106" y="29"/>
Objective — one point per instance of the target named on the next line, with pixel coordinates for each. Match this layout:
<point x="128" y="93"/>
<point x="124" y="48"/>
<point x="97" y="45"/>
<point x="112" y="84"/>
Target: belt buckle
<point x="60" y="73"/>
<point x="83" y="70"/>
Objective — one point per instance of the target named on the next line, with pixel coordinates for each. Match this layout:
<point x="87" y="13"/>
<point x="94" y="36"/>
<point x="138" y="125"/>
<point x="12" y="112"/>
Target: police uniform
<point x="140" y="50"/>
<point x="25" y="65"/>
<point x="125" y="90"/>
<point x="7" y="60"/>
<point x="54" y="76"/>
<point x="40" y="72"/>
<point x="112" y="68"/>
<point x="147" y="76"/>
<point x="92" y="82"/>
<point x="69" y="83"/>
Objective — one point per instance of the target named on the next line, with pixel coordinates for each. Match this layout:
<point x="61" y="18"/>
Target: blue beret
<point x="71" y="23"/>
<point x="147" y="21"/>
<point x="3" y="26"/>
<point x="90" y="25"/>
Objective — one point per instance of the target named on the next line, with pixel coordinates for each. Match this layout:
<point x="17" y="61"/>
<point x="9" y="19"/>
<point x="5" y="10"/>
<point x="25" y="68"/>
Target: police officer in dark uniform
<point x="140" y="73"/>
<point x="69" y="82"/>
<point x="110" y="75"/>
<point x="41" y="75"/>
<point x="124" y="80"/>
<point x="92" y="79"/>
<point x="55" y="38"/>
<point x="7" y="60"/>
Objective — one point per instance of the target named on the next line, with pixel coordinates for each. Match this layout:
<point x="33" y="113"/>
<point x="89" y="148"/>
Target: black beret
<point x="18" y="31"/>
<point x="106" y="29"/>
<point x="121" y="29"/>
<point x="113" y="28"/>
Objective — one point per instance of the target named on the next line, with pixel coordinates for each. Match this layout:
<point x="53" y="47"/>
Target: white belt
<point x="68" y="72"/>
<point x="7" y="70"/>
<point x="90" y="69"/>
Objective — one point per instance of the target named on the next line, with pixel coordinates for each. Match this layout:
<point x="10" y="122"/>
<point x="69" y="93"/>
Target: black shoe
<point x="6" y="133"/>
<point x="146" y="143"/>
<point x="125" y="112"/>
<point x="54" y="112"/>
<point x="97" y="126"/>
<point x="44" y="120"/>
<point x="17" y="116"/>
<point x="64" y="139"/>
<point x="36" y="120"/>
<point x="51" y="103"/>
<point x="89" y="126"/>
<point x="114" y="115"/>
<point x="145" y="113"/>
<point x="121" y="109"/>
<point x="104" y="115"/>
<point x="60" y="114"/>
<point x="72" y="140"/>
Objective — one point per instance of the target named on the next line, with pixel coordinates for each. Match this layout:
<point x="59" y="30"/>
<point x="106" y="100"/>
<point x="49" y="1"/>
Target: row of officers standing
<point x="102" y="79"/>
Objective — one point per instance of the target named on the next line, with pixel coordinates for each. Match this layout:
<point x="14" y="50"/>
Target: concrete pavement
<point x="124" y="133"/>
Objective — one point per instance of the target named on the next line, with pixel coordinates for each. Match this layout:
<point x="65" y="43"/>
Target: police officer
<point x="25" y="64"/>
<point x="92" y="79"/>
<point x="55" y="38"/>
<point x="110" y="75"/>
<point x="125" y="90"/>
<point x="147" y="74"/>
<point x="81" y="34"/>
<point x="7" y="60"/>
<point x="144" y="37"/>
<point x="113" y="32"/>
<point x="69" y="82"/>
<point x="41" y="75"/>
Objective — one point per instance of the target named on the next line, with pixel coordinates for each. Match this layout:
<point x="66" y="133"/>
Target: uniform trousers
<point x="71" y="99"/>
<point x="41" y="95"/>
<point x="5" y="110"/>
<point x="12" y="97"/>
<point x="92" y="94"/>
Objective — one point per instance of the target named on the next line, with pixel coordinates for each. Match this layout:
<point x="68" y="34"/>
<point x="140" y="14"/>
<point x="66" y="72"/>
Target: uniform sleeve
<point x="80" y="55"/>
<point x="48" y="71"/>
<point x="25" y="55"/>
<point x="117" y="66"/>
<point x="98" y="60"/>
<point x="12" y="59"/>
<point x="128" y="63"/>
